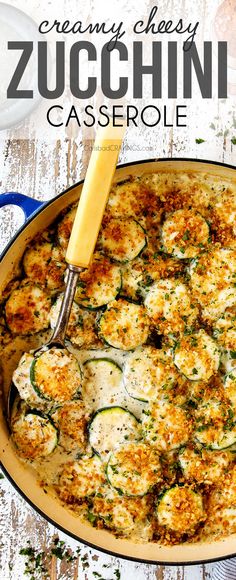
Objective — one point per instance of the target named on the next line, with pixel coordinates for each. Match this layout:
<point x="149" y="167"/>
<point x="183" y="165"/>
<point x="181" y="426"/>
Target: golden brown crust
<point x="185" y="410"/>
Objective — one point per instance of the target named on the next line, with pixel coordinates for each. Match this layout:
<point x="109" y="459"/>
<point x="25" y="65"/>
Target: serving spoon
<point x="87" y="222"/>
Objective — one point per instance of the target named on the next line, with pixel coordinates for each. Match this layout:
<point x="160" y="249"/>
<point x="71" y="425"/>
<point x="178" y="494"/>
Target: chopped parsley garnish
<point x="186" y="236"/>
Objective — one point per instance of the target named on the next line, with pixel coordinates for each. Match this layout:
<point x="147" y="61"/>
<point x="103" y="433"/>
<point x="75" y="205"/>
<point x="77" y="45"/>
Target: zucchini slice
<point x="45" y="264"/>
<point x="22" y="381"/>
<point x="82" y="478"/>
<point x="197" y="356"/>
<point x="185" y="234"/>
<point x="203" y="466"/>
<point x="34" y="434"/>
<point x="215" y="425"/>
<point x="166" y="426"/>
<point x="111" y="426"/>
<point x="213" y="281"/>
<point x="122" y="239"/>
<point x="133" y="469"/>
<point x="170" y="305"/>
<point x="133" y="198"/>
<point x="99" y="284"/>
<point x="124" y="325"/>
<point x="102" y="382"/>
<point x="147" y="371"/>
<point x="56" y="375"/>
<point x="65" y="227"/>
<point x="27" y="309"/>
<point x="72" y="421"/>
<point x="180" y="510"/>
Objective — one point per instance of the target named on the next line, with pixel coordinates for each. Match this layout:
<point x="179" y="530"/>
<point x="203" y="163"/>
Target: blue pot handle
<point x="27" y="204"/>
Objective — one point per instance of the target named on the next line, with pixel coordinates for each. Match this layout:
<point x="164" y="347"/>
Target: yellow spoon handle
<point x="94" y="195"/>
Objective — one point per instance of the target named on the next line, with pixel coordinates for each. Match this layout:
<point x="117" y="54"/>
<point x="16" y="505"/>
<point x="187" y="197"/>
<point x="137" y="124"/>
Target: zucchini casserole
<point x="133" y="424"/>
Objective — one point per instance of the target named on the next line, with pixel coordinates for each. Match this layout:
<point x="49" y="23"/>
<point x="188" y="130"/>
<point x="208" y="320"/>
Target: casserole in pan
<point x="183" y="252"/>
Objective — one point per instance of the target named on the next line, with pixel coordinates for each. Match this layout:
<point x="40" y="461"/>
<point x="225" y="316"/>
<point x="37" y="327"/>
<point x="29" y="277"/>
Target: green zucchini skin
<point x="23" y="381"/>
<point x="113" y="418"/>
<point x="33" y="382"/>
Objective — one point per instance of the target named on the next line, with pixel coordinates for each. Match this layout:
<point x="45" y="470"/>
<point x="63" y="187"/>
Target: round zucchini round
<point x="197" y="356"/>
<point x="101" y="382"/>
<point x="34" y="434"/>
<point x="56" y="375"/>
<point x="122" y="513"/>
<point x="225" y="331"/>
<point x="166" y="425"/>
<point x="36" y="259"/>
<point x="147" y="371"/>
<point x="124" y="325"/>
<point x="133" y="469"/>
<point x="170" y="306"/>
<point x="45" y="264"/>
<point x="72" y="420"/>
<point x="122" y="239"/>
<point x="22" y="381"/>
<point x="180" y="510"/>
<point x="185" y="234"/>
<point x="111" y="426"/>
<point x="27" y="309"/>
<point x="99" y="284"/>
